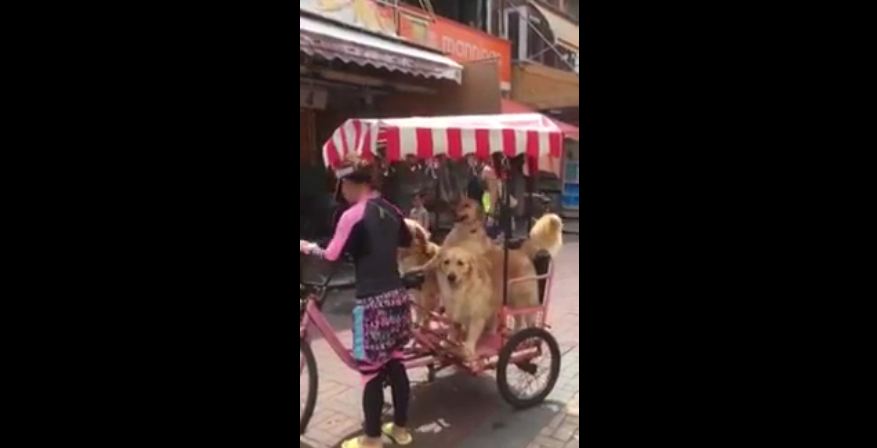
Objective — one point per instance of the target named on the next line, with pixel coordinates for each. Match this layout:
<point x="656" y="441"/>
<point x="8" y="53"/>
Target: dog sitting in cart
<point x="466" y="275"/>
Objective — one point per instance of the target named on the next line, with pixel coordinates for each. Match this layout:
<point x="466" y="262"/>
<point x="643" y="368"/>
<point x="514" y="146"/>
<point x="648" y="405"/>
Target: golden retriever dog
<point x="546" y="234"/>
<point x="471" y="286"/>
<point x="523" y="294"/>
<point x="470" y="267"/>
<point x="467" y="284"/>
<point x="468" y="228"/>
<point x="421" y="252"/>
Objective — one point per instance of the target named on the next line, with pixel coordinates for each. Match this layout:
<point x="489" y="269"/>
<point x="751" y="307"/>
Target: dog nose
<point x="452" y="278"/>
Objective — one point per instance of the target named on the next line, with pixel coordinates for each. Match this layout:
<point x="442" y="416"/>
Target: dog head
<point x="457" y="265"/>
<point x="468" y="212"/>
<point x="421" y="236"/>
<point x="421" y="250"/>
<point x="546" y="235"/>
<point x="550" y="224"/>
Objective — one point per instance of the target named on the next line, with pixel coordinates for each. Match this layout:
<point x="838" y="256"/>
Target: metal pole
<point x="505" y="217"/>
<point x="489" y="25"/>
<point x="500" y="23"/>
<point x="531" y="187"/>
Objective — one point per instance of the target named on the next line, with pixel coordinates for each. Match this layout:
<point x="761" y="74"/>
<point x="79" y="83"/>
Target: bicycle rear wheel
<point x="308" y="384"/>
<point x="526" y="384"/>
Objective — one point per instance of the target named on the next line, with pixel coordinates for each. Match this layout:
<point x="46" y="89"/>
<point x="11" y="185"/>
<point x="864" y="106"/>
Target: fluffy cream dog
<point x="547" y="235"/>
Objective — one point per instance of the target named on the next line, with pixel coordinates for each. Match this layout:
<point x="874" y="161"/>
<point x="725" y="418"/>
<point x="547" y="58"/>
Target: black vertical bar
<point x="531" y="187"/>
<point x="505" y="217"/>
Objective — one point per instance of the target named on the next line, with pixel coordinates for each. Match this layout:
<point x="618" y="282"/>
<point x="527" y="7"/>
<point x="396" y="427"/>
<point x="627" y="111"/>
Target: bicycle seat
<point x="541" y="198"/>
<point x="516" y="243"/>
<point x="303" y="284"/>
<point x="413" y="280"/>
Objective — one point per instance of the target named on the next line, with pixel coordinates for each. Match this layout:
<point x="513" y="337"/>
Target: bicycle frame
<point x="314" y="317"/>
<point x="430" y="352"/>
<point x="431" y="346"/>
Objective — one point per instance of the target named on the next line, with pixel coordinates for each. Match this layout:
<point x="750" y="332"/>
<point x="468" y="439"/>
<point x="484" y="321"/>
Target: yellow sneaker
<point x="357" y="443"/>
<point x="399" y="436"/>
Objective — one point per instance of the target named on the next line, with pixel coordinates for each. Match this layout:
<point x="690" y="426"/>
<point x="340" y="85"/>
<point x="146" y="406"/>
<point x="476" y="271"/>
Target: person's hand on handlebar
<point x="306" y="247"/>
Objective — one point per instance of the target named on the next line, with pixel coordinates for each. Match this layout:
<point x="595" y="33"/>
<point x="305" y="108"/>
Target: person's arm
<point x="348" y="221"/>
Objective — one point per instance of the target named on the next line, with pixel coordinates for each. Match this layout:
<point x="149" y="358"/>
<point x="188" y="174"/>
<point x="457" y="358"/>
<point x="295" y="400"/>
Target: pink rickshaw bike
<point x="526" y="360"/>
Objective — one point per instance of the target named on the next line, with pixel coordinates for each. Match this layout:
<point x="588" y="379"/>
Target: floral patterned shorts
<point x="381" y="327"/>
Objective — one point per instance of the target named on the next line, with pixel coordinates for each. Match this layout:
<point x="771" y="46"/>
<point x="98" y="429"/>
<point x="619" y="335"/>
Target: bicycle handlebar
<point x="322" y="285"/>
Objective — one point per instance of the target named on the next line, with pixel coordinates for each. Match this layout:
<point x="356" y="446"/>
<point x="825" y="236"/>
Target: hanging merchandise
<point x="423" y="179"/>
<point x="432" y="168"/>
<point x="447" y="192"/>
<point x="460" y="175"/>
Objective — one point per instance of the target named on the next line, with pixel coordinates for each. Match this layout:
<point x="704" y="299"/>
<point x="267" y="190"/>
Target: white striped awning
<point x="333" y="41"/>
<point x="533" y="135"/>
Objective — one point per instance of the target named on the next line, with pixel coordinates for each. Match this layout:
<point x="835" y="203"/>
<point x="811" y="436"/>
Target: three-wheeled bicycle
<point x="526" y="361"/>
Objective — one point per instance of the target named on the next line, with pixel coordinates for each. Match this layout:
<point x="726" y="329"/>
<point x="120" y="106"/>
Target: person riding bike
<point x="371" y="230"/>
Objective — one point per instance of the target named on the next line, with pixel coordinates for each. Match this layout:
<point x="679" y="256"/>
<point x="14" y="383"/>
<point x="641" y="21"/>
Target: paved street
<point x="459" y="411"/>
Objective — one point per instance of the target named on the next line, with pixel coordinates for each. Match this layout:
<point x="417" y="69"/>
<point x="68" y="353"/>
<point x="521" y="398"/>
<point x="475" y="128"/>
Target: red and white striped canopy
<point x="481" y="135"/>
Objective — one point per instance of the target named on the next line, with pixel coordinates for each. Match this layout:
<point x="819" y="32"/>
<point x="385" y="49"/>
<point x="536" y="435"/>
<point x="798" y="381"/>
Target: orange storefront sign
<point x="458" y="41"/>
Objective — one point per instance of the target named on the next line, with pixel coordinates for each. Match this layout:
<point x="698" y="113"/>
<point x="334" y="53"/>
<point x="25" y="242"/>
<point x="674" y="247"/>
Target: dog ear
<point x="432" y="250"/>
<point x="421" y="236"/>
<point x="432" y="263"/>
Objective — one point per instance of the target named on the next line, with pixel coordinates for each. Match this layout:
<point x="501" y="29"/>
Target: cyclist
<point x="371" y="230"/>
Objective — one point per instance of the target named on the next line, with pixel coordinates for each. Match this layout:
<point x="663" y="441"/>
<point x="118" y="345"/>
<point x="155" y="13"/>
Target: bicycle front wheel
<point x="307" y="383"/>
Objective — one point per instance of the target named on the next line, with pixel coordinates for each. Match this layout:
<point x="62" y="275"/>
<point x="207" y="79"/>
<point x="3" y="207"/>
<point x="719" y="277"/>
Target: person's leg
<point x="373" y="393"/>
<point x="373" y="407"/>
<point x="401" y="387"/>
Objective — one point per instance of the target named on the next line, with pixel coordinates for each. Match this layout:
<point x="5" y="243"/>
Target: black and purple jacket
<point x="371" y="231"/>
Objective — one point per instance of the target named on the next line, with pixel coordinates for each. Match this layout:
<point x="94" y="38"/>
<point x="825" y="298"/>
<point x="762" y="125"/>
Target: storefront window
<point x="572" y="8"/>
<point x="469" y="12"/>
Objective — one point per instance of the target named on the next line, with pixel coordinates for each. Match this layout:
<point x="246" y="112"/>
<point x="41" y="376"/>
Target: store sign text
<point x="459" y="42"/>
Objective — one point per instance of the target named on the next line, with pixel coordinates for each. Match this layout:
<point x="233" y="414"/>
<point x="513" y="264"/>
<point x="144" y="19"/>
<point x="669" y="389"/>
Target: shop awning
<point x="331" y="41"/>
<point x="514" y="107"/>
<point x="566" y="31"/>
<point x="542" y="87"/>
<point x="546" y="164"/>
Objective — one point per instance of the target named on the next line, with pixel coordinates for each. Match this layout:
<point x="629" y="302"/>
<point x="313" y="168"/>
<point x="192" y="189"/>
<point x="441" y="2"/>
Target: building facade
<point x="373" y="58"/>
